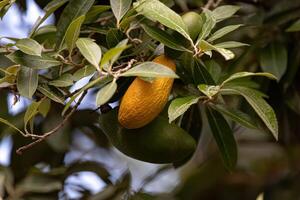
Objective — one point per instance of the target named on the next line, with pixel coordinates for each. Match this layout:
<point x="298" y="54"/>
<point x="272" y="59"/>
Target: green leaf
<point x="105" y="93"/>
<point x="165" y="38"/>
<point x="64" y="80"/>
<point x="150" y="69"/>
<point x="112" y="55"/>
<point x="31" y="111"/>
<point x="27" y="81"/>
<point x="230" y="44"/>
<point x="247" y="74"/>
<point x="294" y="27"/>
<point x="73" y="10"/>
<point x="90" y="50"/>
<point x="113" y="37"/>
<point x="209" y="24"/>
<point x="261" y="107"/>
<point x="205" y="46"/>
<point x="224" y="12"/>
<point x="223" y="31"/>
<point x="84" y="72"/>
<point x="157" y="11"/>
<point x="4" y="121"/>
<point x="180" y="105"/>
<point x="94" y="13"/>
<point x="72" y="32"/>
<point x="29" y="46"/>
<point x="209" y="90"/>
<point x="274" y="59"/>
<point x="51" y="7"/>
<point x="48" y="92"/>
<point x="201" y="75"/>
<point x="4" y="3"/>
<point x="224" y="137"/>
<point x="236" y="115"/>
<point x="214" y="69"/>
<point x="44" y="107"/>
<point x="35" y="62"/>
<point x="120" y="8"/>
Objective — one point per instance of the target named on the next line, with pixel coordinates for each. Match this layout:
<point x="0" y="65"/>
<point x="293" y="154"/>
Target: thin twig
<point x="47" y="134"/>
<point x="212" y="4"/>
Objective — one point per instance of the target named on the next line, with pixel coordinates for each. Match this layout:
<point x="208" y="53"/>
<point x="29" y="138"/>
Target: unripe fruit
<point x="194" y="23"/>
<point x="143" y="101"/>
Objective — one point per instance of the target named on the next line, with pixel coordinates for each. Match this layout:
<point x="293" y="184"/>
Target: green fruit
<point x="194" y="23"/>
<point x="157" y="142"/>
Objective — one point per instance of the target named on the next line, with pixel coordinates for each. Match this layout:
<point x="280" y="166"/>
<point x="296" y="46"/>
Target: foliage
<point x="219" y="92"/>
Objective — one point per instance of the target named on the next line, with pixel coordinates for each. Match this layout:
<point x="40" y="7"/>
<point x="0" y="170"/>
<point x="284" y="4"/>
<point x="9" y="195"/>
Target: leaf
<point x="164" y="37"/>
<point x="150" y="69"/>
<point x="34" y="62"/>
<point x="120" y="8"/>
<point x="247" y="74"/>
<point x="84" y="72"/>
<point x="112" y="55"/>
<point x="294" y="27"/>
<point x="3" y="3"/>
<point x="44" y="107"/>
<point x="27" y="81"/>
<point x="180" y="105"/>
<point x="205" y="46"/>
<point x="29" y="46"/>
<point x="105" y="93"/>
<point x="64" y="80"/>
<point x="224" y="137"/>
<point x="157" y="11"/>
<point x="94" y="12"/>
<point x="31" y="111"/>
<point x="73" y="10"/>
<point x="201" y="75"/>
<point x="214" y="69"/>
<point x="90" y="50"/>
<point x="274" y="59"/>
<point x="72" y="32"/>
<point x="113" y="37"/>
<point x="230" y="44"/>
<point x="209" y="24"/>
<point x="223" y="31"/>
<point x="224" y="12"/>
<point x="51" y="7"/>
<point x="4" y="121"/>
<point x="261" y="107"/>
<point x="209" y="90"/>
<point x="48" y="92"/>
<point x="236" y="115"/>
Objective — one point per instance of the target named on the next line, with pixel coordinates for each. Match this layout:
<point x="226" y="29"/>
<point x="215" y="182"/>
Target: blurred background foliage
<point x="266" y="169"/>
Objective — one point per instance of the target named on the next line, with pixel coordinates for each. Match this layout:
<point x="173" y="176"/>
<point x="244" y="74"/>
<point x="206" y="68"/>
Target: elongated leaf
<point x="273" y="59"/>
<point x="112" y="55"/>
<point x="261" y="107"/>
<point x="72" y="32"/>
<point x="48" y="92"/>
<point x="113" y="37"/>
<point x="35" y="62"/>
<point x="230" y="45"/>
<point x="294" y="27"/>
<point x="90" y="50"/>
<point x="27" y="81"/>
<point x="201" y="75"/>
<point x="164" y="37"/>
<point x="227" y="54"/>
<point x="208" y="25"/>
<point x="31" y="111"/>
<point x="44" y="107"/>
<point x="29" y="46"/>
<point x="51" y="7"/>
<point x="236" y="115"/>
<point x="64" y="80"/>
<point x="180" y="105"/>
<point x="247" y="74"/>
<point x="120" y="8"/>
<point x="73" y="10"/>
<point x="223" y="31"/>
<point x="224" y="137"/>
<point x="150" y="69"/>
<point x="157" y="11"/>
<point x="4" y="121"/>
<point x="105" y="93"/>
<point x="83" y="72"/>
<point x="209" y="90"/>
<point x="224" y="12"/>
<point x="4" y="3"/>
<point x="94" y="12"/>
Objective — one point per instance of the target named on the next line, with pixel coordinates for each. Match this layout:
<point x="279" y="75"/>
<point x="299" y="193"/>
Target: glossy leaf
<point x="90" y="50"/>
<point x="247" y="74"/>
<point x="224" y="12"/>
<point x="84" y="72"/>
<point x="209" y="24"/>
<point x="105" y="93"/>
<point x="230" y="44"/>
<point x="209" y="90"/>
<point x="94" y="12"/>
<point x="120" y="8"/>
<point x="6" y="122"/>
<point x="29" y="46"/>
<point x="222" y="32"/>
<point x="113" y="37"/>
<point x="27" y="81"/>
<point x="273" y="59"/>
<point x="150" y="69"/>
<point x="224" y="137"/>
<point x="72" y="32"/>
<point x="35" y="62"/>
<point x="179" y="106"/>
<point x="261" y="107"/>
<point x="48" y="92"/>
<point x="157" y="11"/>
<point x="201" y="75"/>
<point x="64" y="80"/>
<point x="227" y="54"/>
<point x="31" y="111"/>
